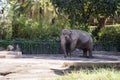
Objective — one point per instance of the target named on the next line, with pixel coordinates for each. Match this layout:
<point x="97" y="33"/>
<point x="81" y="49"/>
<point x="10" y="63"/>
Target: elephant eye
<point x="63" y="33"/>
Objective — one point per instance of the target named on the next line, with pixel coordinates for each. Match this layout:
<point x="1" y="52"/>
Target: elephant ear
<point x="73" y="35"/>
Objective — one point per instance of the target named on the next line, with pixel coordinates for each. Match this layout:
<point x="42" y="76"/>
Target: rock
<point x="14" y="54"/>
<point x="10" y="54"/>
<point x="10" y="47"/>
<point x="17" y="48"/>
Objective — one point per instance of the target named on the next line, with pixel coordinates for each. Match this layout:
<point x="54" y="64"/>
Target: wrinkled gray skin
<point x="67" y="45"/>
<point x="72" y="39"/>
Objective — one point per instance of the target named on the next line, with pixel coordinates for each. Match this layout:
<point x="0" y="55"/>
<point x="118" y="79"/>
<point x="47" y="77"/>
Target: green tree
<point x="79" y="12"/>
<point x="102" y="10"/>
<point x="19" y="8"/>
<point x="76" y="11"/>
<point x="29" y="16"/>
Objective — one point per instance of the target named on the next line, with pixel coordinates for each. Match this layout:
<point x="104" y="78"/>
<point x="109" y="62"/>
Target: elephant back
<point x="83" y="36"/>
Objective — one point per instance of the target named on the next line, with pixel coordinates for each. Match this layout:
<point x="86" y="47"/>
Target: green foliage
<point x="5" y="29"/>
<point x="26" y="28"/>
<point x="29" y="28"/>
<point x="29" y="23"/>
<point x="105" y="8"/>
<point x="99" y="74"/>
<point x="80" y="11"/>
<point x="109" y="37"/>
<point x="110" y="33"/>
<point x="31" y="19"/>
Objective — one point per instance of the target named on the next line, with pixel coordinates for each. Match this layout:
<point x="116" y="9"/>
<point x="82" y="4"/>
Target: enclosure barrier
<point x="53" y="46"/>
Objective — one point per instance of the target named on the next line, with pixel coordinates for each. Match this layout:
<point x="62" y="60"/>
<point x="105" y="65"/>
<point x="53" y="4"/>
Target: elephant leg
<point x="90" y="54"/>
<point x="84" y="52"/>
<point x="65" y="54"/>
<point x="63" y="46"/>
<point x="73" y="45"/>
<point x="69" y="53"/>
<point x="65" y="51"/>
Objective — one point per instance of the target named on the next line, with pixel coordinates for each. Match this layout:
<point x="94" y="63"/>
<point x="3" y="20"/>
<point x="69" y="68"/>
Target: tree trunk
<point x="101" y="24"/>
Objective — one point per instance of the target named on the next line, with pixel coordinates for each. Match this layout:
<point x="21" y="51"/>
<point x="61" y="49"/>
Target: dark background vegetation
<point x="37" y="23"/>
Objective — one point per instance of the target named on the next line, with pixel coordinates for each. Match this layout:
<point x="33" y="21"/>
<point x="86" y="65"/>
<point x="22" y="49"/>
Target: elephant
<point x="72" y="39"/>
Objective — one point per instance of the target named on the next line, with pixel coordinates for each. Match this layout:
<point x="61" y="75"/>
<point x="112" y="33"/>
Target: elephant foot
<point x="70" y="55"/>
<point x="65" y="56"/>
<point x="90" y="57"/>
<point x="85" y="55"/>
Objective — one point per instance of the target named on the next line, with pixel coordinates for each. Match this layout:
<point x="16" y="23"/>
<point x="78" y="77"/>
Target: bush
<point x="26" y="28"/>
<point x="5" y="29"/>
<point x="110" y="33"/>
<point x="110" y="36"/>
<point x="29" y="28"/>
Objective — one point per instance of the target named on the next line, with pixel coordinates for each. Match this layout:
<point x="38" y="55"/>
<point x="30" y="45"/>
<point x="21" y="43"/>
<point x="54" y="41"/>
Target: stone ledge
<point x="10" y="54"/>
<point x="92" y="64"/>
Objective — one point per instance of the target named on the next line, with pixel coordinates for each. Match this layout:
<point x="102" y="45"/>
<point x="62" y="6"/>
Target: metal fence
<point x="34" y="47"/>
<point x="107" y="45"/>
<point x="53" y="47"/>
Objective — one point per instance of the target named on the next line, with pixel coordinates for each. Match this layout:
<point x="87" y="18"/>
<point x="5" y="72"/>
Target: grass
<point x="98" y="74"/>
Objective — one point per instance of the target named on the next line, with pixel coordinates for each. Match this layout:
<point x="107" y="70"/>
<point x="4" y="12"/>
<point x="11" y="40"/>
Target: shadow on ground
<point x="97" y="56"/>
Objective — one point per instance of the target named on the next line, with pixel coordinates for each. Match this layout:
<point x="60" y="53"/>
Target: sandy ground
<point x="50" y="66"/>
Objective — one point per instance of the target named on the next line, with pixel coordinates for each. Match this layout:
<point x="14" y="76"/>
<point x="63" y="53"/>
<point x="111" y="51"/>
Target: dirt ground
<point x="50" y="66"/>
